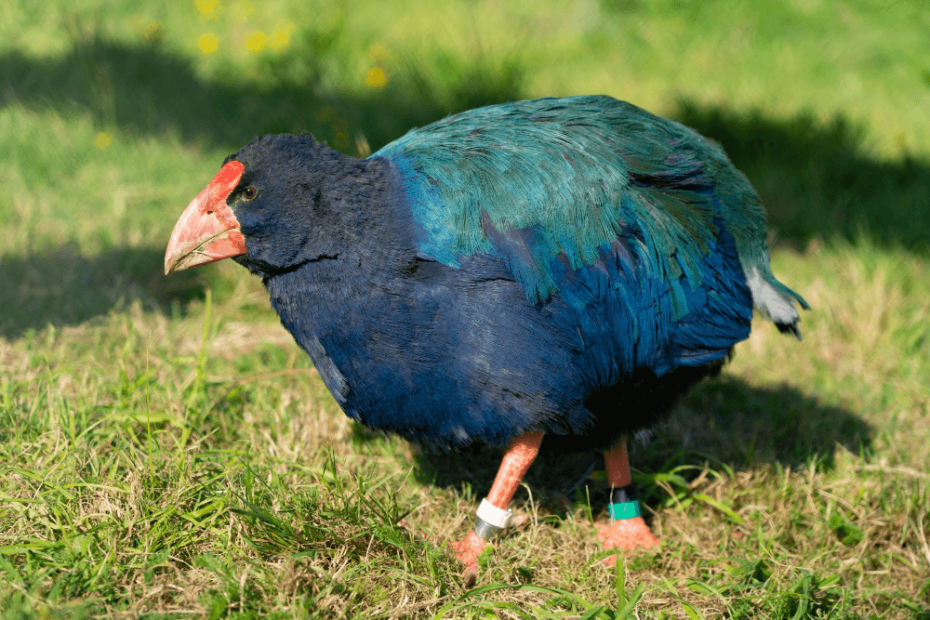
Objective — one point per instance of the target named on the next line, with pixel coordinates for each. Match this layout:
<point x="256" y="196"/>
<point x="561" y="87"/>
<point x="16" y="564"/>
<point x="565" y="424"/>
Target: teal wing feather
<point x="576" y="172"/>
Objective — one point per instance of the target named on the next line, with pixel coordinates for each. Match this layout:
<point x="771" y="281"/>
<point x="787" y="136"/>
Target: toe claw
<point x="469" y="575"/>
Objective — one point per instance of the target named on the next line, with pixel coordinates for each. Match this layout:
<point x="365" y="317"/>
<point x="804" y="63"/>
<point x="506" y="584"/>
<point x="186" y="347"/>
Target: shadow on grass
<point x="816" y="181"/>
<point x="147" y="89"/>
<point x="64" y="287"/>
<point x="725" y="422"/>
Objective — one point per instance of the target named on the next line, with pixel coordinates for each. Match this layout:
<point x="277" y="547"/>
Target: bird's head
<point x="263" y="207"/>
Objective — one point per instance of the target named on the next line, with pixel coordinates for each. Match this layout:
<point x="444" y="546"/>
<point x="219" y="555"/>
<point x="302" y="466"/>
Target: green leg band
<point x="624" y="510"/>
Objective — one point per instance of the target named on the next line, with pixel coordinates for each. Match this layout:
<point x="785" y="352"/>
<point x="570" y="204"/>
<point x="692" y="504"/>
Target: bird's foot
<point x="625" y="534"/>
<point x="467" y="551"/>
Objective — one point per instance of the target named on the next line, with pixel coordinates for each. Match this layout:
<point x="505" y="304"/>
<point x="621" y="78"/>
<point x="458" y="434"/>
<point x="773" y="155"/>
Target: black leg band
<point x="623" y="494"/>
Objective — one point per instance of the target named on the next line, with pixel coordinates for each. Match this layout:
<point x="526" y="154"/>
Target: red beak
<point x="207" y="231"/>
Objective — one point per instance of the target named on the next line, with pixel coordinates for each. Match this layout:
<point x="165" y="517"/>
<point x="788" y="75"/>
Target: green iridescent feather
<point x="507" y="166"/>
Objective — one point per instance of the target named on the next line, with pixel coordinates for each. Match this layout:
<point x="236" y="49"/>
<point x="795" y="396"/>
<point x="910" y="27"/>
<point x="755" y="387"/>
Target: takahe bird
<point x="559" y="266"/>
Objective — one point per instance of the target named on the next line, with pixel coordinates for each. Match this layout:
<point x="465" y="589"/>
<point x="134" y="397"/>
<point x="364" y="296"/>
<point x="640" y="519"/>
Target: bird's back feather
<point x="532" y="180"/>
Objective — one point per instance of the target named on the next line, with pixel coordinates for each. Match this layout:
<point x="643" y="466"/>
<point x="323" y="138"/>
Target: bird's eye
<point x="249" y="193"/>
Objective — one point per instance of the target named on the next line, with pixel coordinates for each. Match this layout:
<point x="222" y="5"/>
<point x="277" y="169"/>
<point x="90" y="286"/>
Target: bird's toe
<point x="467" y="551"/>
<point x="625" y="534"/>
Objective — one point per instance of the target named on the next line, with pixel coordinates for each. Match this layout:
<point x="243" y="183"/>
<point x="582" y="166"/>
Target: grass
<point x="167" y="451"/>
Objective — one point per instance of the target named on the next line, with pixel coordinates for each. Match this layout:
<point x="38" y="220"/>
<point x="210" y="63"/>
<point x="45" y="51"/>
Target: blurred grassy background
<point x="111" y="114"/>
<point x="114" y="114"/>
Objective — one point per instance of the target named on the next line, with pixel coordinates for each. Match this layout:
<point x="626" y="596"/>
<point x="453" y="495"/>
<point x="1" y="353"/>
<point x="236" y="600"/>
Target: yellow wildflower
<point x="378" y="53"/>
<point x="281" y="37"/>
<point x="102" y="140"/>
<point x="376" y="78"/>
<point x="243" y="10"/>
<point x="208" y="43"/>
<point x="256" y="41"/>
<point x="209" y="9"/>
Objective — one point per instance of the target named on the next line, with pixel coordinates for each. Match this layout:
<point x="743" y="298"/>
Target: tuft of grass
<point x="165" y="449"/>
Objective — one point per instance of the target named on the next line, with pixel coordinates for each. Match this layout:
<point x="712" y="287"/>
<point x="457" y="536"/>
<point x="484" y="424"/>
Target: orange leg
<point x="628" y="533"/>
<point x="517" y="460"/>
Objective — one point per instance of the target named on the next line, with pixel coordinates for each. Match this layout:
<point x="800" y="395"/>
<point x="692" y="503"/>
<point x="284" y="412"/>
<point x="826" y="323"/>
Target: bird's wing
<point x="531" y="181"/>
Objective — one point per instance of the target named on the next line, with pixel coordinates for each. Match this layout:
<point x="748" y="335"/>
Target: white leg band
<point x="493" y="515"/>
